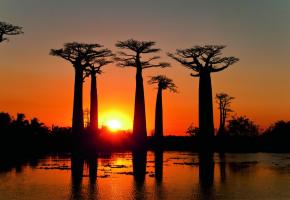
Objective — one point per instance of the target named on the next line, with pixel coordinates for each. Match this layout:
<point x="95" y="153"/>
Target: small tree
<point x="279" y="130"/>
<point x="204" y="60"/>
<point x="277" y="137"/>
<point x="192" y="130"/>
<point x="224" y="102"/>
<point x="242" y="126"/>
<point x="5" y="119"/>
<point x="8" y="29"/>
<point x="163" y="84"/>
<point x="136" y="60"/>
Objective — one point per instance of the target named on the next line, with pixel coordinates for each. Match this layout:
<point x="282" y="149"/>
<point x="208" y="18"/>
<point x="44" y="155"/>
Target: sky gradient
<point x="40" y="85"/>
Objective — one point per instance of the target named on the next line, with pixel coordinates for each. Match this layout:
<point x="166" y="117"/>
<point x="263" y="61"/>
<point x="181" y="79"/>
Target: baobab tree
<point x="204" y="60"/>
<point x="224" y="102"/>
<point x="8" y="29"/>
<point x="163" y="84"/>
<point x="101" y="59"/>
<point x="135" y="59"/>
<point x="81" y="56"/>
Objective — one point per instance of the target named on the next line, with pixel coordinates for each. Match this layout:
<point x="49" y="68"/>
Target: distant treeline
<point x="20" y="136"/>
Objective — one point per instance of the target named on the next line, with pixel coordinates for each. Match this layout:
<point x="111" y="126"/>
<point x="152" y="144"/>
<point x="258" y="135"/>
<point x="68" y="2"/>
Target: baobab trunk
<point x="78" y="120"/>
<point x="221" y="128"/>
<point x="139" y="126"/>
<point x="206" y="126"/>
<point x="94" y="105"/>
<point x="159" y="116"/>
<point x="222" y="122"/>
<point x="221" y="116"/>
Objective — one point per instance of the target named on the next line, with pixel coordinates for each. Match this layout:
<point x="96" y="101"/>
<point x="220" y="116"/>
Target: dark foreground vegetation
<point x="22" y="137"/>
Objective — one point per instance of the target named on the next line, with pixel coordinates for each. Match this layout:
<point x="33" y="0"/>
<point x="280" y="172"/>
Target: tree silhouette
<point x="276" y="137"/>
<point x="5" y="119"/>
<point x="163" y="84"/>
<point x="81" y="56"/>
<point x="100" y="60"/>
<point x="139" y="48"/>
<point x="242" y="126"/>
<point x="279" y="129"/>
<point x="204" y="60"/>
<point x="224" y="101"/>
<point x="8" y="29"/>
<point x="192" y="130"/>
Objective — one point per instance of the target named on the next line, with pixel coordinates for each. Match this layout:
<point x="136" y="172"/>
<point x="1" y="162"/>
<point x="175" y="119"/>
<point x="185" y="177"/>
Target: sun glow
<point x="114" y="125"/>
<point x="115" y="120"/>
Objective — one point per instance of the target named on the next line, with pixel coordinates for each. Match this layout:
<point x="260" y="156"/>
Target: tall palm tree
<point x="135" y="59"/>
<point x="204" y="60"/>
<point x="163" y="84"/>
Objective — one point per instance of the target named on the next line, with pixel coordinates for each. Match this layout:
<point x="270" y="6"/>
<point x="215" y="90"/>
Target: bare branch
<point x="96" y="67"/>
<point x="123" y="62"/>
<point x="150" y="51"/>
<point x="153" y="58"/>
<point x="8" y="29"/>
<point x="226" y="62"/>
<point x="184" y="62"/>
<point x="161" y="64"/>
<point x="121" y="53"/>
<point x="85" y="75"/>
<point x="195" y="75"/>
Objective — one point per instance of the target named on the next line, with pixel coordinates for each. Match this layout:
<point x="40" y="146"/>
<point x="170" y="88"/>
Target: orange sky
<point x="41" y="86"/>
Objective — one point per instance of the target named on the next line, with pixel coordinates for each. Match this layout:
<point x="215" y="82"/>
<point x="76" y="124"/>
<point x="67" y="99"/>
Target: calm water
<point x="168" y="175"/>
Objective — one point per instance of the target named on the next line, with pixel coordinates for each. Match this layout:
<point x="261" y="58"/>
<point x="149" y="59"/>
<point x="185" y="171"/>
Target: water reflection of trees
<point x="139" y="165"/>
<point x="77" y="167"/>
<point x="159" y="186"/>
<point x="206" y="169"/>
<point x="206" y="175"/>
<point x="158" y="159"/>
<point x="17" y="163"/>
<point x="78" y="162"/>
<point x="222" y="165"/>
<point x="139" y="160"/>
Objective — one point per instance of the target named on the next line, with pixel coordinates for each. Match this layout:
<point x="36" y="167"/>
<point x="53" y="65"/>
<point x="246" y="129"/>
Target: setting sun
<point x="115" y="120"/>
<point x="114" y="125"/>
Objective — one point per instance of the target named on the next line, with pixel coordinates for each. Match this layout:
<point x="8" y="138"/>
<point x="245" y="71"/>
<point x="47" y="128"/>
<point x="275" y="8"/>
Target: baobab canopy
<point x="203" y="58"/>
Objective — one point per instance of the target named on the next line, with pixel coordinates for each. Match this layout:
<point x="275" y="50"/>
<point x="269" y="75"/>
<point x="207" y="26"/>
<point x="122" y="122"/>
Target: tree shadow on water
<point x="158" y="154"/>
<point x="77" y="173"/>
<point x="206" y="175"/>
<point x="139" y="159"/>
<point x="77" y="167"/>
